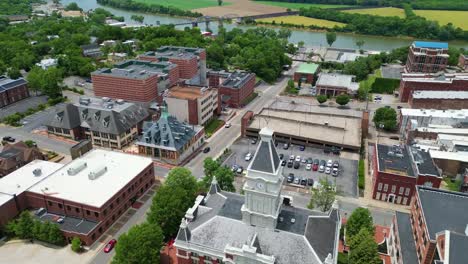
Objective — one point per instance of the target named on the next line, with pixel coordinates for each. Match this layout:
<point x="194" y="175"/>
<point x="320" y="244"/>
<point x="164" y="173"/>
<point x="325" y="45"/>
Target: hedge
<point x="384" y="85"/>
<point x="361" y="173"/>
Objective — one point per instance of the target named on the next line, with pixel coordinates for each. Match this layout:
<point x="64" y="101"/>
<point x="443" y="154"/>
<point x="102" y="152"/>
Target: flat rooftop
<point x="447" y="155"/>
<point x="430" y="45"/>
<point x="323" y="128"/>
<point x="137" y="69"/>
<point x="423" y="162"/>
<point x="175" y="52"/>
<point x="104" y="104"/>
<point x="70" y="224"/>
<point x="337" y="80"/>
<point x="392" y="71"/>
<point x="462" y="113"/>
<point x="187" y="92"/>
<point x="308" y="68"/>
<point x="433" y="78"/>
<point x="237" y="79"/>
<point x="111" y="170"/>
<point x="394" y="159"/>
<point x="440" y="95"/>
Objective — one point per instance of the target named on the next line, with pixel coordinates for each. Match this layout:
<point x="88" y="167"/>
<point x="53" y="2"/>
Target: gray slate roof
<point x="405" y="233"/>
<point x="65" y="116"/>
<point x="458" y="248"/>
<point x="7" y="83"/>
<point x="395" y="159"/>
<point x="266" y="160"/>
<point x="443" y="210"/>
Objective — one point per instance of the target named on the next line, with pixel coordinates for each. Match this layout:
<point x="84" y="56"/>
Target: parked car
<point x="336" y="164"/>
<point x="110" y="245"/>
<point x="399" y="107"/>
<point x="304" y="181"/>
<point x="334" y="172"/>
<point x="310" y="182"/>
<point x="292" y="157"/>
<point x="285" y="146"/>
<point x="297" y="180"/>
<point x="283" y="163"/>
<point x="240" y="169"/>
<point x="9" y="139"/>
<point x="248" y="157"/>
<point x="40" y="211"/>
<point x="301" y="148"/>
<point x="308" y="167"/>
<point x="281" y="156"/>
<point x="297" y="164"/>
<point x="290" y="163"/>
<point x="206" y="150"/>
<point x="303" y="160"/>
<point x="253" y="141"/>
<point x="227" y="125"/>
<point x="60" y="220"/>
<point x="321" y="168"/>
<point x="329" y="163"/>
<point x="326" y="150"/>
<point x="234" y="168"/>
<point x="290" y="178"/>
<point x="298" y="158"/>
<point x="315" y="164"/>
<point x="323" y="163"/>
<point x="336" y="150"/>
<point x="309" y="161"/>
<point x="327" y="170"/>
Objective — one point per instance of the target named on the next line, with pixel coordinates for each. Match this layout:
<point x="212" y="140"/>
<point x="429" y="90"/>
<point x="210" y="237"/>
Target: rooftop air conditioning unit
<point x="76" y="167"/>
<point x="97" y="172"/>
<point x="37" y="172"/>
<point x="106" y="99"/>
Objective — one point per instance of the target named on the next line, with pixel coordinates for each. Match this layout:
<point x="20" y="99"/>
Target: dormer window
<point x="59" y="116"/>
<point x="97" y="115"/>
<point x="106" y="121"/>
<point x="84" y="114"/>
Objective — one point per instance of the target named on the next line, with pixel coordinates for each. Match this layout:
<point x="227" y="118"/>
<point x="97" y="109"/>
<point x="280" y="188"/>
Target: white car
<point x="298" y="158"/>
<point x="308" y="166"/>
<point x="227" y="125"/>
<point x="329" y="163"/>
<point x="321" y="168"/>
<point x="292" y="157"/>
<point x="328" y="170"/>
<point x="248" y="157"/>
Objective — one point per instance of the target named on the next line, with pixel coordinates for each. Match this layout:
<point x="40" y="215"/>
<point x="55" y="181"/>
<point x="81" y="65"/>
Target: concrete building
<point x="91" y="50"/>
<point x="334" y="84"/>
<point x="193" y="105"/>
<point x="107" y="123"/>
<point x="47" y="63"/>
<point x="463" y="62"/>
<point x="433" y="232"/>
<point x="135" y="80"/>
<point x="427" y="57"/>
<point x="441" y="100"/>
<point x="257" y="227"/>
<point x="307" y="72"/>
<point x="396" y="170"/>
<point x="116" y="57"/>
<point x="191" y="62"/>
<point x="169" y="140"/>
<point x="14" y="156"/>
<point x="12" y="91"/>
<point x="236" y="88"/>
<point x="307" y="125"/>
<point x="431" y="82"/>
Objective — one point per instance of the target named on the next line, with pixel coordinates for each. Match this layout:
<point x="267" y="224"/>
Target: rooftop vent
<point x="76" y="167"/>
<point x="37" y="172"/>
<point x="85" y="101"/>
<point x="120" y="101"/>
<point x="106" y="99"/>
<point x="110" y="106"/>
<point x="293" y="220"/>
<point x="97" y="172"/>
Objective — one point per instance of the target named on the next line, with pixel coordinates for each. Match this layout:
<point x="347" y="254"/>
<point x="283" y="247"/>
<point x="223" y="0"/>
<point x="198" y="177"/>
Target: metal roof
<point x="431" y="45"/>
<point x="310" y="68"/>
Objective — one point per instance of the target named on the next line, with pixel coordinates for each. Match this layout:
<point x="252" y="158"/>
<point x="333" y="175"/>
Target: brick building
<point x="106" y="123"/>
<point x="192" y="104"/>
<point x="439" y="100"/>
<point x="427" y="57"/>
<point x="191" y="62"/>
<point x="307" y="72"/>
<point x="135" y="80"/>
<point x="396" y="170"/>
<point x="463" y="62"/>
<point x="434" y="231"/>
<point x="334" y="84"/>
<point x="259" y="227"/>
<point x="12" y="91"/>
<point x="235" y="88"/>
<point x="90" y="193"/>
<point x="14" y="156"/>
<point x="411" y="82"/>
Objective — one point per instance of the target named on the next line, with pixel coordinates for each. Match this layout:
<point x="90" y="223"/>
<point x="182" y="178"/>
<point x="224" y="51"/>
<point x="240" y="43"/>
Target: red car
<point x="110" y="246"/>
<point x="315" y="165"/>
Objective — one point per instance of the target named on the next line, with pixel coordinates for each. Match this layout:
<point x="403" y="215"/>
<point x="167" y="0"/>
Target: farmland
<point x="298" y="5"/>
<point x="184" y="4"/>
<point x="385" y="11"/>
<point x="457" y="18"/>
<point x="300" y="20"/>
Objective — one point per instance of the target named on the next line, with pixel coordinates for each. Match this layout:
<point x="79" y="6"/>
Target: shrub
<point x="76" y="244"/>
<point x="41" y="107"/>
<point x="384" y="85"/>
<point x="361" y="173"/>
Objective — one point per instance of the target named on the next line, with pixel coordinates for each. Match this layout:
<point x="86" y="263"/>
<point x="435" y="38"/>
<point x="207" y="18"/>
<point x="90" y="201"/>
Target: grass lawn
<point x="452" y="186"/>
<point x="184" y="4"/>
<point x="385" y="11"/>
<point x="298" y="5"/>
<point x="211" y="127"/>
<point x="300" y="20"/>
<point x="457" y="18"/>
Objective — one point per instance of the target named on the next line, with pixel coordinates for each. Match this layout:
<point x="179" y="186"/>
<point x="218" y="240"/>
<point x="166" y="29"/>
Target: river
<point x="310" y="38"/>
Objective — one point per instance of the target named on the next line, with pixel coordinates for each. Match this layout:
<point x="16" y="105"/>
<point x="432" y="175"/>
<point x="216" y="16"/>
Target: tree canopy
<point x="342" y="99"/>
<point x="323" y="196"/>
<point x="224" y="175"/>
<point x="322" y="98"/>
<point x="363" y="249"/>
<point x="331" y="38"/>
<point x="361" y="218"/>
<point x="386" y="117"/>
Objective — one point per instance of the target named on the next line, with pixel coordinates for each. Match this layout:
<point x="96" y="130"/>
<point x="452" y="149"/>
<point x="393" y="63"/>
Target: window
<point x="118" y="200"/>
<point x="68" y="208"/>
<point x="379" y="186"/>
<point x="88" y="212"/>
<point x="405" y="200"/>
<point x="50" y="203"/>
<point x="385" y="188"/>
<point x="112" y="206"/>
<point x="407" y="191"/>
<point x="393" y="188"/>
<point x="60" y="205"/>
<point x="77" y="209"/>
<point x="401" y="190"/>
<point x="96" y="214"/>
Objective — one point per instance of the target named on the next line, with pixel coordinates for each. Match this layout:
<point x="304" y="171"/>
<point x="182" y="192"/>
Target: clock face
<point x="259" y="185"/>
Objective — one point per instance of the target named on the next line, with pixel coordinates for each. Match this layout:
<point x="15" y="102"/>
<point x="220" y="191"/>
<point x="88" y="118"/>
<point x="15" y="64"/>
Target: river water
<point x="310" y="38"/>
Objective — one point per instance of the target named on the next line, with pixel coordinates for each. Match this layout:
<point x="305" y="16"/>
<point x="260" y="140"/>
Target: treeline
<point x="416" y="4"/>
<point x="16" y="7"/>
<point x="413" y="26"/>
<point x="148" y="8"/>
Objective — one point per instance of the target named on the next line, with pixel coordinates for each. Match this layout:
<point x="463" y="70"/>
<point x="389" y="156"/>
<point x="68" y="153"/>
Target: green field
<point x="184" y="4"/>
<point x="300" y="20"/>
<point x="457" y="18"/>
<point x="298" y="5"/>
<point x="385" y="11"/>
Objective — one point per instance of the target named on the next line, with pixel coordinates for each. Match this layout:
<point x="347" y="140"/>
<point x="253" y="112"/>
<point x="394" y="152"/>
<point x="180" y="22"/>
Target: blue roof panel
<point x="433" y="45"/>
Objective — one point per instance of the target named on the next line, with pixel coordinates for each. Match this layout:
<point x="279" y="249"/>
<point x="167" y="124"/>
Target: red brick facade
<point x="248" y="116"/>
<point x="13" y="95"/>
<point x="463" y="62"/>
<point x="140" y="90"/>
<point x="407" y="86"/>
<point x="425" y="248"/>
<point x="309" y="77"/>
<point x="238" y="95"/>
<point x="426" y="59"/>
<point x="442" y="104"/>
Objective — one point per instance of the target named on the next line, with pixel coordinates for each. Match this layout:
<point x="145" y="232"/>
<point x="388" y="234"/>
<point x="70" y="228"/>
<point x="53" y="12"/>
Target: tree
<point x="140" y="245"/>
<point x="46" y="81"/>
<point x="182" y="177"/>
<point x="342" y="99"/>
<point x="73" y="7"/>
<point x="363" y="249"/>
<point x="220" y="2"/>
<point x="323" y="196"/>
<point x="386" y="117"/>
<point x="322" y="98"/>
<point x="331" y="38"/>
<point x="300" y="44"/>
<point x="224" y="175"/>
<point x="55" y="235"/>
<point x="24" y="226"/>
<point x="30" y="143"/>
<point x="284" y="33"/>
<point x="76" y="244"/>
<point x="360" y="43"/>
<point x="359" y="219"/>
<point x="14" y="73"/>
<point x="138" y="18"/>
<point x="210" y="166"/>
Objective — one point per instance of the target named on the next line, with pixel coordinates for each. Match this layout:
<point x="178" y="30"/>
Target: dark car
<point x="283" y="163"/>
<point x="88" y="80"/>
<point x="336" y="164"/>
<point x="301" y="148"/>
<point x="304" y="181"/>
<point x="281" y="156"/>
<point x="206" y="150"/>
<point x="399" y="107"/>
<point x="253" y="141"/>
<point x="310" y="182"/>
<point x="326" y="150"/>
<point x="323" y="163"/>
<point x="9" y="139"/>
<point x="336" y="150"/>
<point x="297" y="164"/>
<point x="290" y="164"/>
<point x="110" y="245"/>
<point x="290" y="178"/>
<point x="285" y="146"/>
<point x="315" y="164"/>
<point x="309" y="161"/>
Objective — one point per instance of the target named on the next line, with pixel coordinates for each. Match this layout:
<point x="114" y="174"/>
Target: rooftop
<point x="137" y="69"/>
<point x="237" y="79"/>
<point x="310" y="68"/>
<point x="7" y="83"/>
<point x="174" y="52"/>
<point x="457" y="245"/>
<point x="407" y="243"/>
<point x="462" y="113"/>
<point x="70" y="224"/>
<point x="447" y="155"/>
<point x="440" y="94"/>
<point x="423" y="162"/>
<point x="93" y="178"/>
<point x="187" y="92"/>
<point x="434" y="78"/>
<point x="395" y="160"/>
<point x="337" y="80"/>
<point x="392" y="71"/>
<point x="430" y="45"/>
<point x="437" y="204"/>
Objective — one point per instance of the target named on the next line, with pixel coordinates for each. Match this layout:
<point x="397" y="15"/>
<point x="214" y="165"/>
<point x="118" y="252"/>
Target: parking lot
<point x="346" y="181"/>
